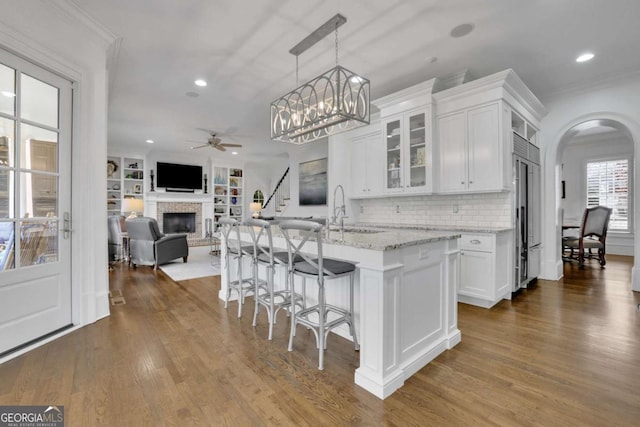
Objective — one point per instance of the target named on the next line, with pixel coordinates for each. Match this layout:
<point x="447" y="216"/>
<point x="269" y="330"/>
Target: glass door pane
<point x="7" y="90"/>
<point x="417" y="151"/>
<point x="393" y="137"/>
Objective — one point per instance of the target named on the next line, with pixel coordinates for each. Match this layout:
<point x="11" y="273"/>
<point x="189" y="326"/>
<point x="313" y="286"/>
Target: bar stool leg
<point x="352" y="319"/>
<point x="271" y="313"/>
<point x="226" y="267"/>
<point x="292" y="333"/>
<point x="321" y="321"/>
<point x="240" y="293"/>
<point x="255" y="293"/>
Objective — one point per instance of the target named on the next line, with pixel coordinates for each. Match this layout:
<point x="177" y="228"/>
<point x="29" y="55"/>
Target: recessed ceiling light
<point x="356" y="79"/>
<point x="585" y="57"/>
<point x="234" y="152"/>
<point x="8" y="94"/>
<point x="150" y="141"/>
<point x="200" y="83"/>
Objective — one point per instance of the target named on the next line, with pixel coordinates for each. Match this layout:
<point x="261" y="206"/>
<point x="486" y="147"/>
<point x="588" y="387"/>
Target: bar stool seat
<point x="319" y="268"/>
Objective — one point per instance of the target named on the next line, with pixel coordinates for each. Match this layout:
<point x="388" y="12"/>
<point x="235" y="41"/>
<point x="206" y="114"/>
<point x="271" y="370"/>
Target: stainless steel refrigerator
<point x="527" y="215"/>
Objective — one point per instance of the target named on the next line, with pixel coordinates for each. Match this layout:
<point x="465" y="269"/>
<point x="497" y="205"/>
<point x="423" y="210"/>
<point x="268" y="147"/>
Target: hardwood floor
<point x="562" y="353"/>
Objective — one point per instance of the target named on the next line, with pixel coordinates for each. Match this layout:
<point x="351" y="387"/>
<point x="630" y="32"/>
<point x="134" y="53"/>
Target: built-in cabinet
<point x="125" y="180"/>
<point x="471" y="150"/>
<point x="407" y="142"/>
<point x="366" y="165"/>
<point x="228" y="185"/>
<point x="486" y="272"/>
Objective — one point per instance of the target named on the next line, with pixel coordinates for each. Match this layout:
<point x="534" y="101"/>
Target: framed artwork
<point x="137" y="189"/>
<point x="312" y="187"/>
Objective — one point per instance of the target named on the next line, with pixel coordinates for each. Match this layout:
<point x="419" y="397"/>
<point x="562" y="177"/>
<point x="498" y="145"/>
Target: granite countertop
<point x="459" y="229"/>
<point x="382" y="239"/>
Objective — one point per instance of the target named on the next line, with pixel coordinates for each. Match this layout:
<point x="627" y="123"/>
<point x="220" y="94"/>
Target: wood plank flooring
<point x="561" y="354"/>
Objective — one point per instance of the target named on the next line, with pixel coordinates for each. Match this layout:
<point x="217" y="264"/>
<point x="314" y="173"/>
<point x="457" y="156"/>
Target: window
<point x="608" y="185"/>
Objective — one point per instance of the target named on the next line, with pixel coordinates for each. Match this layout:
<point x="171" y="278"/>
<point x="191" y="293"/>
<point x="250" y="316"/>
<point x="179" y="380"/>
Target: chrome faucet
<point x="339" y="212"/>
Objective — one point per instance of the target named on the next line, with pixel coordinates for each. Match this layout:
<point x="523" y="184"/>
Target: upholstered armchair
<point x="148" y="246"/>
<point x="116" y="229"/>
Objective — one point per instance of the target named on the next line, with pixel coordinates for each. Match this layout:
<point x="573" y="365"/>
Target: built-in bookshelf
<point x="228" y="191"/>
<point x="125" y="179"/>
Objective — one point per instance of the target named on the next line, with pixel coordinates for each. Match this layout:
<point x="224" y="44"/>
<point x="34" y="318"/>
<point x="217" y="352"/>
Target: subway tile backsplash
<point x="473" y="210"/>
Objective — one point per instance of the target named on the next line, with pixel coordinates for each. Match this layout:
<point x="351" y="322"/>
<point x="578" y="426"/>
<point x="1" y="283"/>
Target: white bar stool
<point x="267" y="257"/>
<point x="320" y="269"/>
<point x="236" y="250"/>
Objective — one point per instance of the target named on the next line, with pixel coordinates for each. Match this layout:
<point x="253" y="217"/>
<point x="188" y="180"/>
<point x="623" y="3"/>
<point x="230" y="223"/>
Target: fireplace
<point x="179" y="222"/>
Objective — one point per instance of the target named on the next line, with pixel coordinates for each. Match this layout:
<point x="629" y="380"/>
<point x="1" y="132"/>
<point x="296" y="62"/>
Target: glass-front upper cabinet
<point x="408" y="143"/>
<point x="394" y="155"/>
<point x="417" y="151"/>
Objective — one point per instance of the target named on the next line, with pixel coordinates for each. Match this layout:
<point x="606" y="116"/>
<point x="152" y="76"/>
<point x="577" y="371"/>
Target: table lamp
<point x="255" y="208"/>
<point x="134" y="206"/>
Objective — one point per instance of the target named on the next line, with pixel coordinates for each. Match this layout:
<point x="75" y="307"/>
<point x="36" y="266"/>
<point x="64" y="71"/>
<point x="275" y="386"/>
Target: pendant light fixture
<point x="333" y="102"/>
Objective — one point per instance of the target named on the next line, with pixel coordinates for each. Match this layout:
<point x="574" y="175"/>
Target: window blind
<point x="608" y="185"/>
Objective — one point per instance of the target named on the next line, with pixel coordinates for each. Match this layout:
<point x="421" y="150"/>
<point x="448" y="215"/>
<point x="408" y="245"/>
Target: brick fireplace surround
<point x="157" y="203"/>
<point x="181" y="207"/>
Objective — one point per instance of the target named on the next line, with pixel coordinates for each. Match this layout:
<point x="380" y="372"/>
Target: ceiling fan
<point x="214" y="141"/>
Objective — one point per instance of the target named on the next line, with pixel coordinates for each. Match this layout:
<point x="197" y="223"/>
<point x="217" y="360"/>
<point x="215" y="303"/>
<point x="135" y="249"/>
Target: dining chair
<point x="593" y="235"/>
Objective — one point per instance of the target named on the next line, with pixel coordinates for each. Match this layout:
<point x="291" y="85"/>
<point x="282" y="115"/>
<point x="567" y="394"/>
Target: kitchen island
<point x="405" y="294"/>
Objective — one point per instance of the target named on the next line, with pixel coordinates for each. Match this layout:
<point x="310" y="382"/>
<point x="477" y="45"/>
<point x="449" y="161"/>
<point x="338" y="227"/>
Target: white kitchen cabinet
<point x="471" y="150"/>
<point x="366" y="165"/>
<point x="407" y="141"/>
<point x="453" y="152"/>
<point x="486" y="268"/>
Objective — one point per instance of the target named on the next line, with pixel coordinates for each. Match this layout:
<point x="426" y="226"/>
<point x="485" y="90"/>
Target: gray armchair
<point x="148" y="246"/>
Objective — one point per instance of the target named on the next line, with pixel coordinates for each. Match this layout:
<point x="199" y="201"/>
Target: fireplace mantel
<point x="158" y="196"/>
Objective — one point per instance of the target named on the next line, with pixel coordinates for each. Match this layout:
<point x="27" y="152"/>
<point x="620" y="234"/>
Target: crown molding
<point x="606" y="81"/>
<point x="507" y="80"/>
<point x="421" y="89"/>
<point x="72" y="10"/>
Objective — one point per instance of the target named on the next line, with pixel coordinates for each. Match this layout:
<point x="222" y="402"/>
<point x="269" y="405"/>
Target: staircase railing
<point x="280" y="193"/>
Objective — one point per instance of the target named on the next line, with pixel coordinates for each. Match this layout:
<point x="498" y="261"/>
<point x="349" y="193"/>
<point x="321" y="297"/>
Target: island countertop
<point x="379" y="238"/>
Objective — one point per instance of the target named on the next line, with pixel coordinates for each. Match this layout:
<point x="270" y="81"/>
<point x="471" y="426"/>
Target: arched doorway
<point x="588" y="125"/>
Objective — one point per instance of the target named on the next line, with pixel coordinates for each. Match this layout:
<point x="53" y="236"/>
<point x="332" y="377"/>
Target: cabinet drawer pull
<point x="475" y="242"/>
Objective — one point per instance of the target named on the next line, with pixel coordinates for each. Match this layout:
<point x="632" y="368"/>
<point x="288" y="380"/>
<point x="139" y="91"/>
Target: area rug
<point x="199" y="264"/>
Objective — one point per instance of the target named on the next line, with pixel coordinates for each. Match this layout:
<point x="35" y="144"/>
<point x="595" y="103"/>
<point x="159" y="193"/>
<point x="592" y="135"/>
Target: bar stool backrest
<point x="309" y="230"/>
<point x="230" y="231"/>
<point x="257" y="229"/>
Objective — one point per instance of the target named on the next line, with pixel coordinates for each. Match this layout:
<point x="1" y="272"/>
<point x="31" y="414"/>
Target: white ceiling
<point x="241" y="49"/>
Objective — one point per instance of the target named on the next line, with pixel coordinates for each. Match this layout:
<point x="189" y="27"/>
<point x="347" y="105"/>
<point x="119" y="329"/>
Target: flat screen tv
<point x="179" y="177"/>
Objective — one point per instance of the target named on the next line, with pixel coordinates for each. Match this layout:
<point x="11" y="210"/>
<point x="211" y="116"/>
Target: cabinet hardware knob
<point x="470" y="182"/>
<point x="461" y="182"/>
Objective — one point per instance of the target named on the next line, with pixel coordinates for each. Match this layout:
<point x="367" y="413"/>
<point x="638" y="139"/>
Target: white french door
<point x="35" y="202"/>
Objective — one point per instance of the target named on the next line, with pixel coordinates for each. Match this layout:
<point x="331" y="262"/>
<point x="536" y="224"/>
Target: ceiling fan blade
<point x="231" y="145"/>
<point x="207" y="130"/>
<point x="220" y="147"/>
<point x="200" y="146"/>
